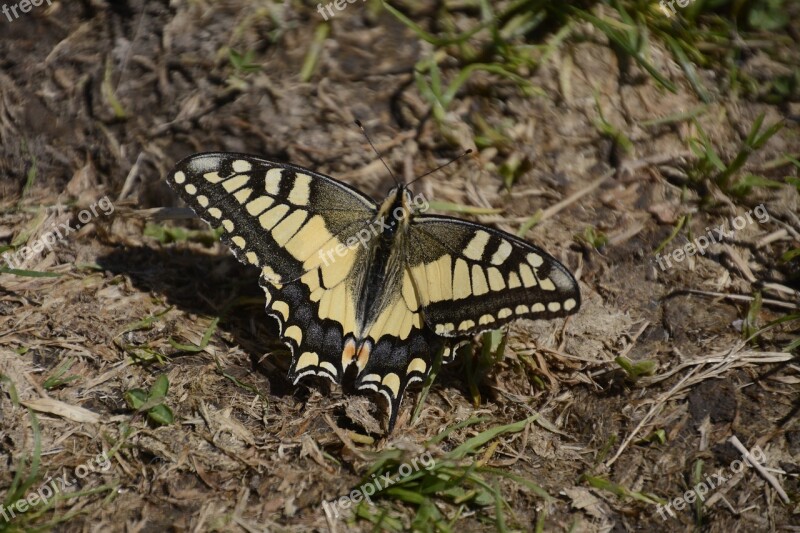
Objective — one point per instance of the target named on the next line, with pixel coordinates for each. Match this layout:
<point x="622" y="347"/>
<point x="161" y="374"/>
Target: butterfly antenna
<point x="469" y="151"/>
<point x="364" y="131"/>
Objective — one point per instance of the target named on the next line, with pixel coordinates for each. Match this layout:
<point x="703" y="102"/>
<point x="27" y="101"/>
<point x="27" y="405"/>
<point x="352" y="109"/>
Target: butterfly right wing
<point x="469" y="278"/>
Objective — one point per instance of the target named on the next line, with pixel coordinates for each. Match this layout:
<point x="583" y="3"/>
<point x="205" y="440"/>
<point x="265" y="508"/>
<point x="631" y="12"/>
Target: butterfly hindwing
<point x="471" y="278"/>
<point x="393" y="364"/>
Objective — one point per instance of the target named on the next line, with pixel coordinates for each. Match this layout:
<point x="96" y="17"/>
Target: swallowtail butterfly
<point x="381" y="286"/>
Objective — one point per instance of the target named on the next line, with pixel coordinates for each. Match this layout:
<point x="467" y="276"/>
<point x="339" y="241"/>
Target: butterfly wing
<point x="455" y="279"/>
<point x="295" y="225"/>
<point x="471" y="278"/>
<point x="276" y="216"/>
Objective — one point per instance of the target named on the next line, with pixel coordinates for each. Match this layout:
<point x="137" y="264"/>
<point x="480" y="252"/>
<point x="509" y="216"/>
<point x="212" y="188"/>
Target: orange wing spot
<point x="348" y="353"/>
<point x="363" y="355"/>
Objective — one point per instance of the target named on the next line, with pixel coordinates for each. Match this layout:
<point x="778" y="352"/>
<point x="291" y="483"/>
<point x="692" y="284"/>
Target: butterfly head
<point x="399" y="207"/>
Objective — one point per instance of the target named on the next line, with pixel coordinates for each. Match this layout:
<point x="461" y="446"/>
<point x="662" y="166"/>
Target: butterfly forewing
<point x="276" y="216"/>
<point x="472" y="278"/>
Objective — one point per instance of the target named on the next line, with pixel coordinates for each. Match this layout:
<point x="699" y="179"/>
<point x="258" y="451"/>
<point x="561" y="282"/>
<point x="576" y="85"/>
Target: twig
<point x="128" y="185"/>
<point x="574" y="197"/>
<point x="742" y="298"/>
<point x="761" y="470"/>
<point x="650" y="414"/>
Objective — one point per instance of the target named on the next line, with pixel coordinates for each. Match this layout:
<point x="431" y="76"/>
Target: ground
<point x="143" y="388"/>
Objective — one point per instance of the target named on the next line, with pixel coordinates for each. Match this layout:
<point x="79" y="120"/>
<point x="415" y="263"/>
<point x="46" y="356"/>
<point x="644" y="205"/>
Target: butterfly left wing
<point x="276" y="216"/>
<point x="470" y="278"/>
<point x="293" y="224"/>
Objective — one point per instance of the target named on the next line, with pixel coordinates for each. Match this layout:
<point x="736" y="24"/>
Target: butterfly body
<point x="381" y="287"/>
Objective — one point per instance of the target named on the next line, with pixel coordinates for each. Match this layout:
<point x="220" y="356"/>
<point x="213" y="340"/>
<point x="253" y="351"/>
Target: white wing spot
<point x="258" y="205"/>
<point x="282" y="308"/>
<point x="496" y="282"/>
<point x="243" y="195"/>
<point x="236" y="182"/>
<point x="535" y="260"/>
<point x="476" y="246"/>
<point x="179" y="177"/>
<point x="569" y="304"/>
<point x="273" y="181"/>
<point x="270" y="275"/>
<point x="461" y="282"/>
<point x="214" y="212"/>
<point x="485" y="319"/>
<point x="444" y="329"/>
<point x="268" y="219"/>
<point x="301" y="190"/>
<point x="416" y="365"/>
<point x="240" y="165"/>
<point x="329" y="367"/>
<point x="191" y="189"/>
<point x="202" y="200"/>
<point x="228" y="225"/>
<point x="295" y="333"/>
<point x="554" y="306"/>
<point x="307" y="359"/>
<point x="527" y="275"/>
<point x="502" y="253"/>
<point x="392" y="382"/>
<point x="479" y="285"/>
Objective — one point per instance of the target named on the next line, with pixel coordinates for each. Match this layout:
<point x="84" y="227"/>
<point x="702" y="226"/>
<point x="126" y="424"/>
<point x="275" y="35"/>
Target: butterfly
<point x="380" y="286"/>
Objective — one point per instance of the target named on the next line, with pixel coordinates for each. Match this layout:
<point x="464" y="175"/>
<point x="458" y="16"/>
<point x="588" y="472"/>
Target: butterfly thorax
<point x="385" y="265"/>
